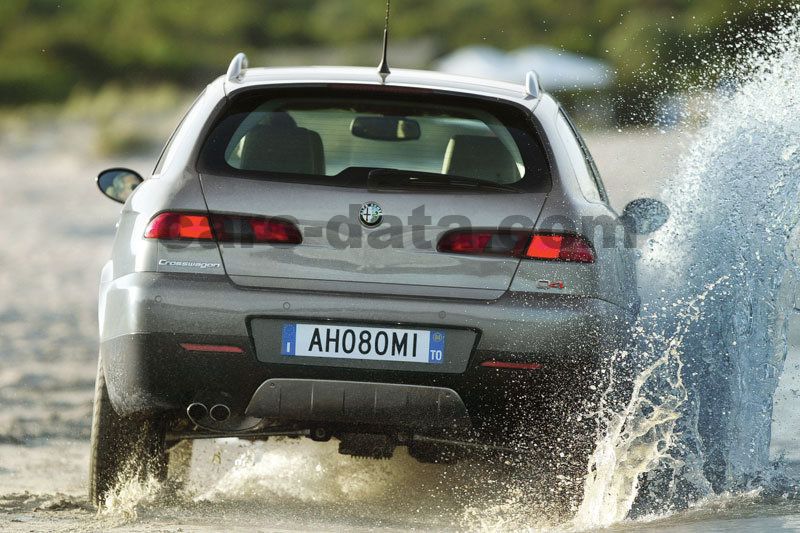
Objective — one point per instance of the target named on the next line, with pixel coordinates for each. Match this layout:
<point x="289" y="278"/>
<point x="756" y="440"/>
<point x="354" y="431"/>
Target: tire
<point x="556" y="429"/>
<point x="179" y="463"/>
<point x="122" y="448"/>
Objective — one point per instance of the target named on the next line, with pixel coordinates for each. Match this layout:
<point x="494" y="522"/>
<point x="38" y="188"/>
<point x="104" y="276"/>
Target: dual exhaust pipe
<point x="198" y="411"/>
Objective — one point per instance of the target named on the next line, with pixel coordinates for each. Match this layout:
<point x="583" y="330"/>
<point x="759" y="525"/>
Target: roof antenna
<point x="383" y="67"/>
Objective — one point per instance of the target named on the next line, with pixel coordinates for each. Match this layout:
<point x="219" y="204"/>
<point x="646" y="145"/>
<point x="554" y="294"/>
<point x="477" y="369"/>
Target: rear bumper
<point x="145" y="317"/>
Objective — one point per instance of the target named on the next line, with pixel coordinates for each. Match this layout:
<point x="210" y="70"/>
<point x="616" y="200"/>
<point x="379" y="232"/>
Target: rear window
<point x="339" y="138"/>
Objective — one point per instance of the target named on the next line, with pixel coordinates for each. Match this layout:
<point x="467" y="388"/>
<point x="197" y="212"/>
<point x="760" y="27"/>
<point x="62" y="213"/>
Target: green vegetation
<point x="128" y="121"/>
<point x="49" y="48"/>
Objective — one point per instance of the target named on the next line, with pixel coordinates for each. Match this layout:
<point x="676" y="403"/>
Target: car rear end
<point x="348" y="260"/>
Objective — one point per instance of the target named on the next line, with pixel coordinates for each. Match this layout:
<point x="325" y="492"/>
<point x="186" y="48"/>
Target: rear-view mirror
<point x="385" y="128"/>
<point x="118" y="183"/>
<point x="645" y="215"/>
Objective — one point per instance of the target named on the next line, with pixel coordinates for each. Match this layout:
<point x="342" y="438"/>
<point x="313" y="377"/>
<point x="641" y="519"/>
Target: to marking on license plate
<point x="353" y="342"/>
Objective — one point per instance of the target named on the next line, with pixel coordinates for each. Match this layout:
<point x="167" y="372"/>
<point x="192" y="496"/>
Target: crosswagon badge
<point x="371" y="214"/>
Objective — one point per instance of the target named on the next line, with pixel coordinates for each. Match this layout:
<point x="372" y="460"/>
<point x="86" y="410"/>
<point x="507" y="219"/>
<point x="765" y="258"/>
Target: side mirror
<point x="385" y="128"/>
<point x="645" y="215"/>
<point x="118" y="183"/>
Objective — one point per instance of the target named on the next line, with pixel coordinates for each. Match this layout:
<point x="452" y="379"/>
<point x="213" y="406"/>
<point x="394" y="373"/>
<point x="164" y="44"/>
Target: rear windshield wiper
<point x="387" y="178"/>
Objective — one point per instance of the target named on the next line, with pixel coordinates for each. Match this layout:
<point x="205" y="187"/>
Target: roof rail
<point x="532" y="87"/>
<point x="237" y="67"/>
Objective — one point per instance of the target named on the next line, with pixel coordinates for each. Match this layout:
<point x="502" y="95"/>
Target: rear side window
<point x="581" y="160"/>
<point x="335" y="138"/>
<point x="167" y="153"/>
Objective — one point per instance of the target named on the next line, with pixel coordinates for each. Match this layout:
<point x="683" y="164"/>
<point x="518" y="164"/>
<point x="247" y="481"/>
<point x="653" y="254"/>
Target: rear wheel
<point x="572" y="436"/>
<point x="122" y="447"/>
<point x="557" y="425"/>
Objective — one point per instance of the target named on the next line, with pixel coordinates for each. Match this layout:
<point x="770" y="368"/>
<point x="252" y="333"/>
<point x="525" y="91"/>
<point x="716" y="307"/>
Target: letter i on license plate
<point x="354" y="342"/>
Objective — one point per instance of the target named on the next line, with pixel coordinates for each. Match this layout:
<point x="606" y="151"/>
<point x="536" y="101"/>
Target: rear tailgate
<point x="398" y="256"/>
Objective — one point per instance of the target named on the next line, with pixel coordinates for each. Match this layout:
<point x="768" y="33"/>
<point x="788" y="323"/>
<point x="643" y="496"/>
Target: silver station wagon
<point x="389" y="259"/>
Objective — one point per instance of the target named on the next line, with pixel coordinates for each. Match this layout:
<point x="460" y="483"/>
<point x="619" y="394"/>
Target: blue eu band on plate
<point x="356" y="342"/>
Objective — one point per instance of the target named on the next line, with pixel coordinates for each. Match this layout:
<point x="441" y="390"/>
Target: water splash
<point x="641" y="436"/>
<point x="722" y="278"/>
<point x="308" y="471"/>
<point x="128" y="497"/>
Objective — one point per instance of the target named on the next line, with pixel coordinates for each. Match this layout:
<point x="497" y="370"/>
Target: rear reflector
<point x="543" y="246"/>
<point x="511" y="366"/>
<point x="218" y="348"/>
<point x="222" y="228"/>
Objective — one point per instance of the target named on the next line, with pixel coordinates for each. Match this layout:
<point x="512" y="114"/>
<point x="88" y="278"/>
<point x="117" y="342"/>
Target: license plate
<point x="355" y="342"/>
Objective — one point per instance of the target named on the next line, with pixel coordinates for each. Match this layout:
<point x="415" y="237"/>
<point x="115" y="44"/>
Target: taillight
<point x="241" y="229"/>
<point x="560" y="248"/>
<point x="179" y="227"/>
<point x="223" y="228"/>
<point x="483" y="242"/>
<point x="543" y="246"/>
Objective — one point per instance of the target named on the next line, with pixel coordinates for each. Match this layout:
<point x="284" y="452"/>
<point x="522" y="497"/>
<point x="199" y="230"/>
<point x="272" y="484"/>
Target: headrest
<point x="279" y="119"/>
<point x="480" y="157"/>
<point x="278" y="145"/>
